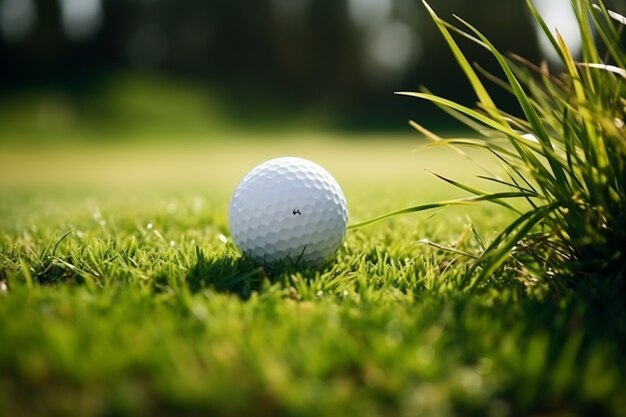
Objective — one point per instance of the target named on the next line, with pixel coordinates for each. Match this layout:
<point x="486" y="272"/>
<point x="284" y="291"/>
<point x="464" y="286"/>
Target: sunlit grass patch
<point x="122" y="294"/>
<point x="565" y="155"/>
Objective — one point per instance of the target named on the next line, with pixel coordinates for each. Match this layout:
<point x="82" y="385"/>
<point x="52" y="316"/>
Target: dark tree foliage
<point x="315" y="54"/>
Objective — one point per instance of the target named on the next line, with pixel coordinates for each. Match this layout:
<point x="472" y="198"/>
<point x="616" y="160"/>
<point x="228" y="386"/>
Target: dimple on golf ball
<point x="288" y="209"/>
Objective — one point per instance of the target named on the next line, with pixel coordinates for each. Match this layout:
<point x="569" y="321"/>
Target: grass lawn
<point x="146" y="308"/>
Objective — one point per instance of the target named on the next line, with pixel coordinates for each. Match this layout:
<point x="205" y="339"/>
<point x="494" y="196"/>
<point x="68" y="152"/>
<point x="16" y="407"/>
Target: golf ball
<point x="288" y="209"/>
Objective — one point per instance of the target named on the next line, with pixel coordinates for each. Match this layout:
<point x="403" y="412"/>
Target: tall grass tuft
<point x="566" y="157"/>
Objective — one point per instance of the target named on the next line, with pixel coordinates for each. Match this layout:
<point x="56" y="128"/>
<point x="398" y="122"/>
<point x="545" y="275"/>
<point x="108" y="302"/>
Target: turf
<point x="122" y="294"/>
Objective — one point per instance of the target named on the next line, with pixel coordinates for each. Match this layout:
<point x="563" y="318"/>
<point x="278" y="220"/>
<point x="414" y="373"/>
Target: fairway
<point x="147" y="175"/>
<point x="217" y="164"/>
<point x="122" y="294"/>
<point x="312" y="208"/>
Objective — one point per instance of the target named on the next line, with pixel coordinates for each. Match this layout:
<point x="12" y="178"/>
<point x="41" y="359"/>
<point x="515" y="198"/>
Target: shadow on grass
<point x="225" y="274"/>
<point x="239" y="275"/>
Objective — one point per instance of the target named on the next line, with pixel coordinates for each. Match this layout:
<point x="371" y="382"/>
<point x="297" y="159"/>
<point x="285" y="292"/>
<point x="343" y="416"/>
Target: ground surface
<point x="146" y="308"/>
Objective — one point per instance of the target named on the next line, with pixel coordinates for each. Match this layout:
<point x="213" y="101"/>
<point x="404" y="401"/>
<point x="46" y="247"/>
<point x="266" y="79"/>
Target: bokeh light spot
<point x="391" y="49"/>
<point x="81" y="18"/>
<point x="559" y="16"/>
<point x="17" y="19"/>
<point x="367" y="13"/>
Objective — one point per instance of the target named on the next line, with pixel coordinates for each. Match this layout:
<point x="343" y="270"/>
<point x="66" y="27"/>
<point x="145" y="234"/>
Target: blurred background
<point x="94" y="70"/>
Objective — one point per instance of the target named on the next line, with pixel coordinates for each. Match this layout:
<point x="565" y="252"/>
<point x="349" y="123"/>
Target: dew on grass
<point x="198" y="203"/>
<point x="95" y="211"/>
<point x="159" y="235"/>
<point x="171" y="208"/>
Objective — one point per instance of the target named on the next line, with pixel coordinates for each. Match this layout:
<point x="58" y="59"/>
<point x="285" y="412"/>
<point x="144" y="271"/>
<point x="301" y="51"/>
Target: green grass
<point x="146" y="308"/>
<point x="564" y="154"/>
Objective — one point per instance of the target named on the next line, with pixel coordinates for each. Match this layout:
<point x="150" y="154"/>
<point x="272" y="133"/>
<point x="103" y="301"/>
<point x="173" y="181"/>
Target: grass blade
<point x="533" y="118"/>
<point x="471" y="75"/>
<point x="498" y="252"/>
<point x="447" y="203"/>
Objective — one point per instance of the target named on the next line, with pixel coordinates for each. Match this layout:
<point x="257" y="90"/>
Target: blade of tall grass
<point x="471" y="75"/>
<point x="610" y="68"/>
<point x="607" y="32"/>
<point x="596" y="153"/>
<point x="474" y="190"/>
<point x="590" y="51"/>
<point x="529" y="111"/>
<point x="544" y="28"/>
<point x="458" y="202"/>
<point x="467" y="121"/>
<point x="566" y="157"/>
<point x="498" y="252"/>
<point x="512" y="184"/>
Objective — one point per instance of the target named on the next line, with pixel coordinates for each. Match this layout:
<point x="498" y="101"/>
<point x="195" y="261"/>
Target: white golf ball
<point x="288" y="209"/>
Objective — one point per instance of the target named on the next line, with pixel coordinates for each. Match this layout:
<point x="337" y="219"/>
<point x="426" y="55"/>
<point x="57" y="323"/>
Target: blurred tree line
<point x="345" y="55"/>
